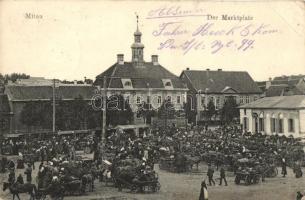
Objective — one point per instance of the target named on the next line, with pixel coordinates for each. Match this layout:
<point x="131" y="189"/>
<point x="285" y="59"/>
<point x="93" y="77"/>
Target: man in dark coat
<point x="223" y="176"/>
<point x="299" y="195"/>
<point x="210" y="175"/>
<point x="28" y="173"/>
<point x="20" y="179"/>
<point x="12" y="176"/>
<point x="3" y="164"/>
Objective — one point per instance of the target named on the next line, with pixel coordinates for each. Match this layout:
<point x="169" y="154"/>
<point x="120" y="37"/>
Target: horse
<point x="193" y="161"/>
<point x="15" y="189"/>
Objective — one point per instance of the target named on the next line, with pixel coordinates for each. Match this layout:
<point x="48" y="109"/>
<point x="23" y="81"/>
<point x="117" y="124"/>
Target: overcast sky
<point x="82" y="38"/>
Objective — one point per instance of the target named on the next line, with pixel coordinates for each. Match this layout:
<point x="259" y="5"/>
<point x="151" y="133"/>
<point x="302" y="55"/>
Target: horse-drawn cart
<point x="131" y="174"/>
<point x="248" y="176"/>
<point x="139" y="184"/>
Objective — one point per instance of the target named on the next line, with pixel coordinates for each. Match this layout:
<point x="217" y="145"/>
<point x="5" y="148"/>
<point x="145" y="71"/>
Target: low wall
<point x="179" y="122"/>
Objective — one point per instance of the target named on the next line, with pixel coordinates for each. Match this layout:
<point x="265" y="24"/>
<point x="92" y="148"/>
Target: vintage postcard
<point x="142" y="100"/>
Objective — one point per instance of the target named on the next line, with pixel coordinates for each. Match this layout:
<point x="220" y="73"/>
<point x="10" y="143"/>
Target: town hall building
<point x="140" y="81"/>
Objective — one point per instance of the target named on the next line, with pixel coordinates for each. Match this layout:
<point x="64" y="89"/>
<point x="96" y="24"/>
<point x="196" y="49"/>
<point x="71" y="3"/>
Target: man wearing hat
<point x="28" y="173"/>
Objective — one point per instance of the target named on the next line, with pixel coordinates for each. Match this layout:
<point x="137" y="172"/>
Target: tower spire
<point x="137" y="21"/>
<point x="137" y="47"/>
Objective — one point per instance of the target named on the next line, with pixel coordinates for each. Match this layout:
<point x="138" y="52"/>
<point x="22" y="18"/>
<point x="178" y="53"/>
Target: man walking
<point x="210" y="175"/>
<point x="223" y="176"/>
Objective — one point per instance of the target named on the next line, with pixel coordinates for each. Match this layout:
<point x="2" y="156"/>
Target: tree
<point x="118" y="112"/>
<point x="230" y="111"/>
<point x="166" y="110"/>
<point x="74" y="115"/>
<point x="190" y="112"/>
<point x="14" y="76"/>
<point x="211" y="110"/>
<point x="145" y="110"/>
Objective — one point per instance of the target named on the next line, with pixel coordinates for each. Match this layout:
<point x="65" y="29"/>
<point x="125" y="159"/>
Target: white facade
<point x="274" y="121"/>
<point x="154" y="97"/>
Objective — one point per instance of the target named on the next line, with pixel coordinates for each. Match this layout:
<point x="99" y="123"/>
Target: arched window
<point x="261" y="122"/>
<point x="281" y="123"/>
<point x="273" y="123"/>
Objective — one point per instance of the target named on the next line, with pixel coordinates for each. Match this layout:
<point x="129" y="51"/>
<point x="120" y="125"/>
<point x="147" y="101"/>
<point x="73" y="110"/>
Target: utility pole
<point x="104" y="109"/>
<point x="54" y="110"/>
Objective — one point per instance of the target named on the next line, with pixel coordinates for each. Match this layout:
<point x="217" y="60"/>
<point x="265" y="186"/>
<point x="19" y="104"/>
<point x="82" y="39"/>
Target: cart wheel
<point x="158" y="186"/>
<point x="133" y="188"/>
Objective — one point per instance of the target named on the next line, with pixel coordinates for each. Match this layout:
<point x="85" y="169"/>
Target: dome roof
<point x="137" y="45"/>
<point x="137" y="33"/>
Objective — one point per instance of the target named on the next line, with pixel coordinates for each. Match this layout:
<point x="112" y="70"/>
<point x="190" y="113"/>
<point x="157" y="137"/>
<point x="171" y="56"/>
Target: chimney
<point x="268" y="83"/>
<point x="75" y="82"/>
<point x="154" y="59"/>
<point x="120" y="58"/>
<point x="219" y="70"/>
<point x="187" y="68"/>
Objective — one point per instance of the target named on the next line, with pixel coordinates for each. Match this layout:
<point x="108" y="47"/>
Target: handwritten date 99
<point x="213" y="47"/>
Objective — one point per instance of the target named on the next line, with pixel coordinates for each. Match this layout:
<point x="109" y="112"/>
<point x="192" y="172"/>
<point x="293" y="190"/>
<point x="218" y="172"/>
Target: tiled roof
<point x="284" y="102"/>
<point x="216" y="81"/>
<point x="277" y="90"/>
<point x="23" y="93"/>
<point x="148" y="75"/>
<point x="4" y="104"/>
<point x="282" y="90"/>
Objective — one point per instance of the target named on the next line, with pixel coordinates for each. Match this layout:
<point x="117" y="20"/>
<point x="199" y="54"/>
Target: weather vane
<point x="137" y="20"/>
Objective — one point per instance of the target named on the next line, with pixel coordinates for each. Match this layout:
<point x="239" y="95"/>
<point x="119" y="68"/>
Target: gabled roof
<point x="275" y="90"/>
<point x="216" y="81"/>
<point x="146" y="76"/>
<point x="282" y="90"/>
<point x="26" y="93"/>
<point x="283" y="102"/>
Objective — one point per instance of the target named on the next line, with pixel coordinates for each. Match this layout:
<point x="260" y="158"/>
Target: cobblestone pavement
<point x="186" y="186"/>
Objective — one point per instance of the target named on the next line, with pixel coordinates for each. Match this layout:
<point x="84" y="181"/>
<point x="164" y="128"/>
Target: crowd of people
<point x="224" y="149"/>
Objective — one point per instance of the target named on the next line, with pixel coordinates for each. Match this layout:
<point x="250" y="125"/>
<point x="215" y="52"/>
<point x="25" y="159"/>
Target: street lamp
<point x="206" y="102"/>
<point x="198" y="105"/>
